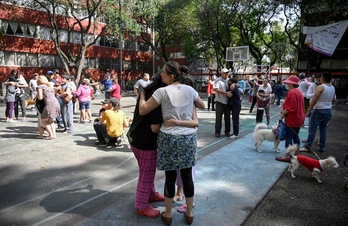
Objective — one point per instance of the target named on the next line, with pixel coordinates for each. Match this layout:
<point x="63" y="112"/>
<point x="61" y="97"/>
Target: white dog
<point x="261" y="133"/>
<point x="313" y="165"/>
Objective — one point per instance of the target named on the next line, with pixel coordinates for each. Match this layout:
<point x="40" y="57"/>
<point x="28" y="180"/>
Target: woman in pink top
<point x="115" y="90"/>
<point x="83" y="94"/>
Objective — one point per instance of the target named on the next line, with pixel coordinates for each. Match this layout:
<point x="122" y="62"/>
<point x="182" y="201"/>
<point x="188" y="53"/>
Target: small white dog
<point x="313" y="165"/>
<point x="261" y="133"/>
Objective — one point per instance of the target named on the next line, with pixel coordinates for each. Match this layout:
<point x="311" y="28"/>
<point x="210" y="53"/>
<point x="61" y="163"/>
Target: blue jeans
<point x="291" y="135"/>
<point x="319" y="118"/>
<point x="68" y="117"/>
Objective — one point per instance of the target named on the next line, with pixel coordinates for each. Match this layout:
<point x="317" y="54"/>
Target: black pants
<point x="235" y="117"/>
<point x="19" y="101"/>
<point x="253" y="103"/>
<point x="211" y="100"/>
<point x="187" y="183"/>
<point x="259" y="116"/>
<point x="222" y="109"/>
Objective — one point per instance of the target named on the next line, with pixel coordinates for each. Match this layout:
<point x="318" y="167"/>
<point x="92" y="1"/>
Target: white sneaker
<point x="233" y="136"/>
<point x="11" y="120"/>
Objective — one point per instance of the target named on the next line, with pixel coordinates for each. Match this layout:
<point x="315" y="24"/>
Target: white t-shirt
<point x="268" y="89"/>
<point x="141" y="84"/>
<point x="33" y="84"/>
<point x="303" y="87"/>
<point x="177" y="102"/>
<point x="221" y="85"/>
<point x="21" y="81"/>
<point x="311" y="91"/>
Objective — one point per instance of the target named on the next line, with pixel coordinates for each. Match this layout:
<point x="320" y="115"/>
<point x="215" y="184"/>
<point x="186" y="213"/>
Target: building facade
<point x="312" y="62"/>
<point x="26" y="45"/>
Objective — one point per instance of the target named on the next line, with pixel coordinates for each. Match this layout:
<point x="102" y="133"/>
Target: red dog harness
<point x="309" y="163"/>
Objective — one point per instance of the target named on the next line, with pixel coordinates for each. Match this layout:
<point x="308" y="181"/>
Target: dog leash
<point x="316" y="155"/>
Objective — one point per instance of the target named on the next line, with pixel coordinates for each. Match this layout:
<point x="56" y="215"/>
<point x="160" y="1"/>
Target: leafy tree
<point x="80" y="22"/>
<point x="226" y="23"/>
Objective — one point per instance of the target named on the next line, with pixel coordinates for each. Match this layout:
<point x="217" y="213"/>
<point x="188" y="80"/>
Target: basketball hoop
<point x="239" y="53"/>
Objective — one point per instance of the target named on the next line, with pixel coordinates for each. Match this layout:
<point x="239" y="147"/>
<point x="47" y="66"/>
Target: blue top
<point x="107" y="84"/>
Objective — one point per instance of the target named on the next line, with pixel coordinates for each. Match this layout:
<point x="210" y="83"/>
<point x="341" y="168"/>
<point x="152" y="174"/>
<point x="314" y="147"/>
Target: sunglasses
<point x="56" y="85"/>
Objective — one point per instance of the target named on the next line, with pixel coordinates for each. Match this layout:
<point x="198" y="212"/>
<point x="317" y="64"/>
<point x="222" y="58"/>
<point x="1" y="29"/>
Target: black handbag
<point x="40" y="105"/>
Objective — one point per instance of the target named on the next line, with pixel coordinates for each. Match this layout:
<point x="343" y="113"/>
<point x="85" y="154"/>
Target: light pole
<point x="121" y="42"/>
<point x="153" y="49"/>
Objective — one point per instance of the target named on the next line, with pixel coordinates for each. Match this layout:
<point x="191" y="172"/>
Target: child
<point x="260" y="107"/>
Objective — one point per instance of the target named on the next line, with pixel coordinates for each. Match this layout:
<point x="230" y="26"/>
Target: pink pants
<point x="147" y="161"/>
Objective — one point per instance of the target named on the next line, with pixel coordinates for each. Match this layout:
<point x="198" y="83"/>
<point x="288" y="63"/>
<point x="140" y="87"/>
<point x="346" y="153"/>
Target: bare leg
<point x="189" y="206"/>
<point x="53" y="129"/>
<point x="179" y="194"/>
<point x="81" y="116"/>
<point x="168" y="203"/>
<point x="49" y="130"/>
<point x="41" y="132"/>
<point x="88" y="114"/>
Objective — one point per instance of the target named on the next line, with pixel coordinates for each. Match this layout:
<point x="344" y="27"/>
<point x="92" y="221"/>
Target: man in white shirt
<point x="32" y="88"/>
<point x="303" y="87"/>
<point x="20" y="97"/>
<point x="222" y="108"/>
<point x="141" y="84"/>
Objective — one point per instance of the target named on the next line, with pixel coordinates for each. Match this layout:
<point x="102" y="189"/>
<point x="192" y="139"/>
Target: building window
<point x="45" y="33"/>
<point x="91" y="63"/>
<point x="19" y="30"/>
<point x="145" y="66"/>
<point x="9" y="31"/>
<point x="143" y="47"/>
<point x="33" y="60"/>
<point x="63" y="36"/>
<point x="127" y="65"/>
<point x="19" y="59"/>
<point x="2" y="58"/>
<point x="47" y="60"/>
<point x="10" y="59"/>
<point x="76" y="38"/>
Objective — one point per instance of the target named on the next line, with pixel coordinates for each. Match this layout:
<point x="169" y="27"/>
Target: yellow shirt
<point x="114" y="120"/>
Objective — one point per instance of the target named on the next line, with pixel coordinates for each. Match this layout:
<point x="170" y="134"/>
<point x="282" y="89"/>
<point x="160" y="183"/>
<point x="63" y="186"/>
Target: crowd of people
<point x="55" y="98"/>
<point x="163" y="130"/>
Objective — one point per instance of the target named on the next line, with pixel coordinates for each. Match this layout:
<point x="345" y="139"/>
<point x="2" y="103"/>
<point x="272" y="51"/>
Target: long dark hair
<point x="177" y="70"/>
<point x="156" y="83"/>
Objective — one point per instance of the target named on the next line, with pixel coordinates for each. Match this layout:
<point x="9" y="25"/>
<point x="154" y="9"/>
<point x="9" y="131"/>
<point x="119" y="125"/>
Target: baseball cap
<point x="49" y="72"/>
<point x="106" y="101"/>
<point x="225" y="70"/>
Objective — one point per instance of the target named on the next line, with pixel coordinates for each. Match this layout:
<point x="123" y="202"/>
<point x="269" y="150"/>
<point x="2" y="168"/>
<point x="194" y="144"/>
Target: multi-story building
<point x="26" y="45"/>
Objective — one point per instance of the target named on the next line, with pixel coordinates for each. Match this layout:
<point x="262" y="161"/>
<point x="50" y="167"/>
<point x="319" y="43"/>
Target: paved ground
<point x="69" y="181"/>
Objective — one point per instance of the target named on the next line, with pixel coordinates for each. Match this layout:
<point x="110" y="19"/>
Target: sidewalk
<point x="47" y="183"/>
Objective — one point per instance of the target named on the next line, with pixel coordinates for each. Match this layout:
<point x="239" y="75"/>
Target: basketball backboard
<point x="239" y="53"/>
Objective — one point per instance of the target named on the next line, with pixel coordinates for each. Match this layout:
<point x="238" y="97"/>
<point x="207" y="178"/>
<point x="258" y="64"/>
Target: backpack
<point x="280" y="132"/>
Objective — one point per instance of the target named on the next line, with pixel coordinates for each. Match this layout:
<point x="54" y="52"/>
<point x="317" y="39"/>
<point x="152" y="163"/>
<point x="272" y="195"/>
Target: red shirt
<point x="309" y="163"/>
<point x="210" y="87"/>
<point x="294" y="104"/>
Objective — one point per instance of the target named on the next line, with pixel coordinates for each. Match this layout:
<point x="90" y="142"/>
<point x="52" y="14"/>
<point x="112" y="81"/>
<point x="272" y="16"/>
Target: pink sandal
<point x="182" y="209"/>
